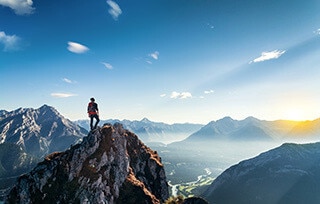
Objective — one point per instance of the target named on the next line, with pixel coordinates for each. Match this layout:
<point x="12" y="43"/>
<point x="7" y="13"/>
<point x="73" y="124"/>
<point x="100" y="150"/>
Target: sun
<point x="295" y="114"/>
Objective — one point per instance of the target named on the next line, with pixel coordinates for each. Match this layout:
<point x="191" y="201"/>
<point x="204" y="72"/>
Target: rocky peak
<point x="111" y="165"/>
<point x="39" y="131"/>
<point x="145" y="120"/>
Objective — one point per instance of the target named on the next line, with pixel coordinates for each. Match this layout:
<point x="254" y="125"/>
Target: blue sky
<point x="169" y="60"/>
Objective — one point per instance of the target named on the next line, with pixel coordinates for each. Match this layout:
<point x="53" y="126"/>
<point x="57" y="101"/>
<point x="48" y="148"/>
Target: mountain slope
<point x="287" y="174"/>
<point x="111" y="165"/>
<point x="13" y="162"/>
<point x="2" y="113"/>
<point x="39" y="131"/>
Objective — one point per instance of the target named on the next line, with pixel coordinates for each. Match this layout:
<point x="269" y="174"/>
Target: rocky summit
<point x="110" y="165"/>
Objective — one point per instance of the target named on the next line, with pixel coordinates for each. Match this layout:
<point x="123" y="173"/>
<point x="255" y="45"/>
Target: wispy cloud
<point x="183" y="95"/>
<point x="163" y="95"/>
<point x="20" y="7"/>
<point x="62" y="95"/>
<point x="317" y="32"/>
<point x="107" y="65"/>
<point x="69" y="81"/>
<point x="268" y="56"/>
<point x="154" y="55"/>
<point x="114" y="9"/>
<point x="210" y="25"/>
<point x="209" y="92"/>
<point x="10" y="42"/>
<point x="77" y="48"/>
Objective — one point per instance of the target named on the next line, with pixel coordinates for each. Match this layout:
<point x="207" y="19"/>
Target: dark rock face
<point x="111" y="165"/>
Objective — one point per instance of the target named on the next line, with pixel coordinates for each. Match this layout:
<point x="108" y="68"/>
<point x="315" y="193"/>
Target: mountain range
<point x="150" y="131"/>
<point x="39" y="131"/>
<point x="33" y="133"/>
<point x="253" y="129"/>
<point x="287" y="174"/>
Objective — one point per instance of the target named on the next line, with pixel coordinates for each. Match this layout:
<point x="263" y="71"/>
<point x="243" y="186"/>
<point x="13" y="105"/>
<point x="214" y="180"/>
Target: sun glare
<point x="295" y="114"/>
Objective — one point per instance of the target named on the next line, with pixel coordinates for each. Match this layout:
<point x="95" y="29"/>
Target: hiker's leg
<point x="91" y="122"/>
<point x="97" y="121"/>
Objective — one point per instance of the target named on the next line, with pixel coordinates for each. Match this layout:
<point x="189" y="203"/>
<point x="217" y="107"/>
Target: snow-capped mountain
<point x="39" y="131"/>
<point x="255" y="129"/>
<point x="149" y="131"/>
<point x="287" y="174"/>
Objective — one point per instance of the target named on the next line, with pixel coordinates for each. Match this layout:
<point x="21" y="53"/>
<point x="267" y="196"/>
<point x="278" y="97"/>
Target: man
<point x="93" y="112"/>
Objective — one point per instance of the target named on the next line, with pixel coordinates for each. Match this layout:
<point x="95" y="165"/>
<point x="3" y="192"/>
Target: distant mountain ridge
<point x="287" y="174"/>
<point x="254" y="129"/>
<point x="39" y="131"/>
<point x="149" y="131"/>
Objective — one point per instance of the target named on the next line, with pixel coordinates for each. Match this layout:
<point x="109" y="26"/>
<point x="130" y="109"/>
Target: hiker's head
<point x="92" y="99"/>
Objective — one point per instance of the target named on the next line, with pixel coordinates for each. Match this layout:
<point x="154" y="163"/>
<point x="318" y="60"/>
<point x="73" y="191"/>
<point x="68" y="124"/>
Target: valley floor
<point x="190" y="168"/>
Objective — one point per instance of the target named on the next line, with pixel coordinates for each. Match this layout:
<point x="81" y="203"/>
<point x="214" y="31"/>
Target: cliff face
<point x="111" y="165"/>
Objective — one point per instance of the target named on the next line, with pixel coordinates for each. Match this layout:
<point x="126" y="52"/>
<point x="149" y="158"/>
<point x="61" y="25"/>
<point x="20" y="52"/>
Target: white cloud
<point x="20" y="7"/>
<point x="62" y="95"/>
<point x="155" y="55"/>
<point x="77" y="48"/>
<point x="183" y="95"/>
<point x="317" y="32"/>
<point x="268" y="56"/>
<point x="209" y="91"/>
<point x="163" y="95"/>
<point x="10" y="42"/>
<point x="107" y="65"/>
<point x="114" y="9"/>
<point x="69" y="81"/>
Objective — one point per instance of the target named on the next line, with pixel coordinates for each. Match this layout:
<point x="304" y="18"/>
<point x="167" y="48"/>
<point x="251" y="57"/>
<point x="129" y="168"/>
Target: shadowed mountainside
<point x="287" y="174"/>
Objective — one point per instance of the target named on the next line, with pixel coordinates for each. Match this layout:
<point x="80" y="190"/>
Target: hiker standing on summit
<point x="93" y="112"/>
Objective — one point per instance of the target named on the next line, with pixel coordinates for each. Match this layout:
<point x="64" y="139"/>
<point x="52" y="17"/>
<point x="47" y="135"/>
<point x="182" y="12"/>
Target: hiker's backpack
<point x="91" y="108"/>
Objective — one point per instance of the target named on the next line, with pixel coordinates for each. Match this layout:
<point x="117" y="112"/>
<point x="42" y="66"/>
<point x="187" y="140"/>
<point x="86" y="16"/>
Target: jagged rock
<point x="111" y="165"/>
